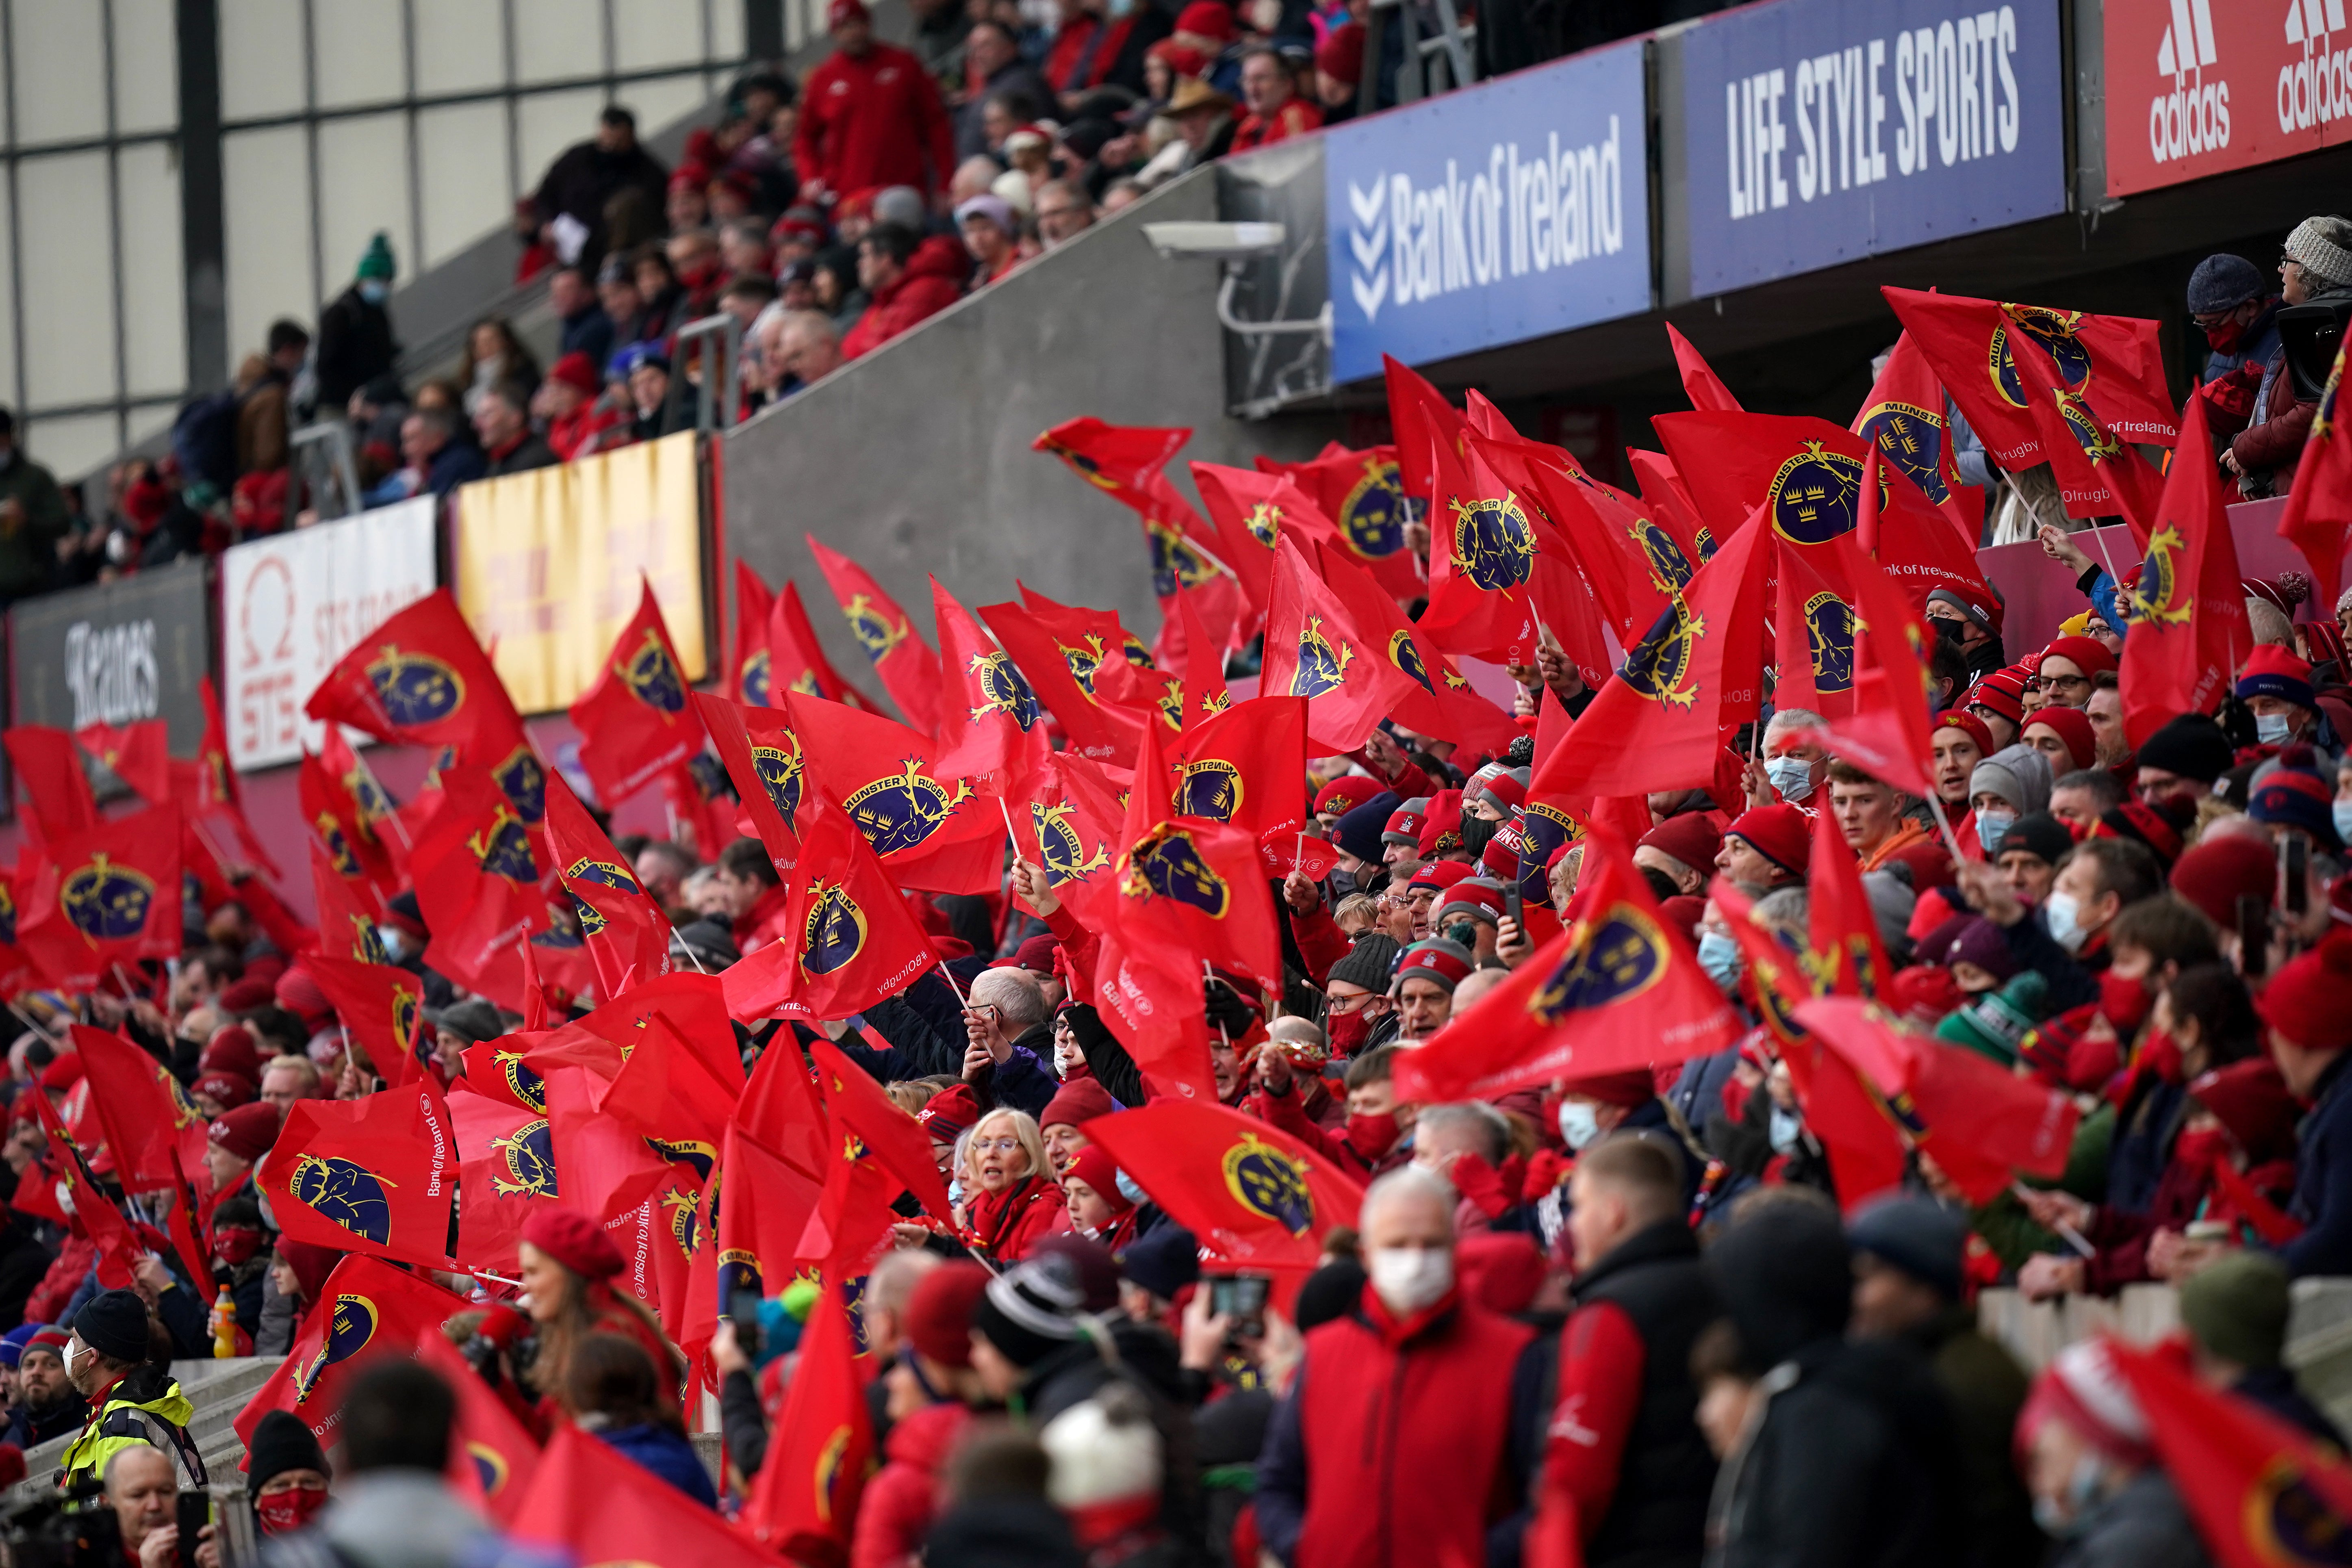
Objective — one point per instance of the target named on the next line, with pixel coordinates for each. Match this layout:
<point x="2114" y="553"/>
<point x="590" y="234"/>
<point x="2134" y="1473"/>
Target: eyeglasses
<point x="1002" y="1145"/>
<point x="2059" y="683"/>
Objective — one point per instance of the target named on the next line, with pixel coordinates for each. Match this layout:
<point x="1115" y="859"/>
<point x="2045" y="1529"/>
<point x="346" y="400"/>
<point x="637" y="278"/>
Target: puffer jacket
<point x="932" y="281"/>
<point x="902" y="1502"/>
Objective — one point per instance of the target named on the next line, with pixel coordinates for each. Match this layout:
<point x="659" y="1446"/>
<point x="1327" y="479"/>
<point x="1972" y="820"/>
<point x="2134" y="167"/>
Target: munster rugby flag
<point x="635" y="722"/>
<point x="1700" y="383"/>
<point x="1814" y="632"/>
<point x="1440" y="701"/>
<point x="2319" y="507"/>
<point x="1245" y="768"/>
<point x="103" y="898"/>
<point x="796" y="660"/>
<point x="492" y="1456"/>
<point x="909" y="668"/>
<point x="1617" y="989"/>
<point x="626" y="932"/>
<point x="990" y="728"/>
<point x="383" y="1005"/>
<point x="477" y="885"/>
<point x="1481" y="561"/>
<point x="372" y="1176"/>
<point x="1314" y="650"/>
<point x="762" y="757"/>
<point x="804" y="1503"/>
<point x="1904" y="417"/>
<point x="420" y="677"/>
<point x="1887" y="733"/>
<point x="871" y="1125"/>
<point x="1062" y="676"/>
<point x="931" y="827"/>
<point x="1250" y="1193"/>
<point x="751" y="665"/>
<point x="1193" y="884"/>
<point x="156" y="1136"/>
<point x="769" y="1200"/>
<point x="604" y="1507"/>
<point x="505" y="1162"/>
<point x="2188" y="613"/>
<point x="139" y="755"/>
<point x="368" y="1308"/>
<point x="1252" y="508"/>
<point x="1072" y="814"/>
<point x="1363" y="495"/>
<point x="359" y="861"/>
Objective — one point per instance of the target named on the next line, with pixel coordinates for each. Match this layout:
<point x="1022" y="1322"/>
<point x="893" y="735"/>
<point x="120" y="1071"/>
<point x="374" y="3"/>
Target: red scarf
<point x="994" y="1215"/>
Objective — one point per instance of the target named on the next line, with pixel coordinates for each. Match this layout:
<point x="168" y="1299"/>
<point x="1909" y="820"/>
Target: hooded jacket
<point x="933" y="280"/>
<point x="145" y="1406"/>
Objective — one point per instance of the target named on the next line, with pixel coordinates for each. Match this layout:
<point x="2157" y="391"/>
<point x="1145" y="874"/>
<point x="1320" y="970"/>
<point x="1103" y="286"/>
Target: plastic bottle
<point x="224" y="1326"/>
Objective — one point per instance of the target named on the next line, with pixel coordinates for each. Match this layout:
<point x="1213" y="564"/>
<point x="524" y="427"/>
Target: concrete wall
<point x="916" y="458"/>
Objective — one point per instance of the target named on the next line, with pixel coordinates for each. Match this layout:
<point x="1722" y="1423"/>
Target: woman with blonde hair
<point x="568" y="1265"/>
<point x="1010" y="1198"/>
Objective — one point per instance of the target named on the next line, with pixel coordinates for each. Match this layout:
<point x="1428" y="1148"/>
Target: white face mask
<point x="1718" y="954"/>
<point x="1791" y="776"/>
<point x="1411" y="1280"/>
<point x="2342" y="811"/>
<point x="1786" y="1126"/>
<point x="2273" y="729"/>
<point x="1990" y="825"/>
<point x="1579" y="1124"/>
<point x="70" y="1355"/>
<point x="2065" y="915"/>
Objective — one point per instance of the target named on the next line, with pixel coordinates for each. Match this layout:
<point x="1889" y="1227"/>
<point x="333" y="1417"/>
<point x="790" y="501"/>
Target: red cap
<point x="953" y="1110"/>
<point x="1690" y="839"/>
<point x="2002" y="691"/>
<point x="1098" y="1171"/>
<point x="1967" y="724"/>
<point x="2071" y="725"/>
<point x="571" y="1238"/>
<point x="232" y="1051"/>
<point x="1782" y="833"/>
<point x="298" y="993"/>
<point x="938" y="1313"/>
<point x="575" y="371"/>
<point x="1207" y="19"/>
<point x="2305" y="1001"/>
<point x="1340" y="55"/>
<point x="841" y="12"/>
<point x="2250" y="1100"/>
<point x="1346" y="792"/>
<point x="246" y="1131"/>
<point x="2082" y="652"/>
<point x="246" y="995"/>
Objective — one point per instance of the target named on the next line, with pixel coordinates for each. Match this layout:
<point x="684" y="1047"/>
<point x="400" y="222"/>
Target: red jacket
<point x="897" y="1509"/>
<point x="1399" y="1442"/>
<point x="1297" y="117"/>
<point x="872" y="119"/>
<point x="932" y="281"/>
<point x="763" y="923"/>
<point x="1005" y="1227"/>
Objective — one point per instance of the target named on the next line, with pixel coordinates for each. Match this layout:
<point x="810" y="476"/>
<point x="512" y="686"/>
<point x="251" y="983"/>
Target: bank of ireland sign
<point x="1507" y="211"/>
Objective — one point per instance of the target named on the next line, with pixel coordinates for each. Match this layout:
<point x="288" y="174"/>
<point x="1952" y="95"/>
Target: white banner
<point x="294" y="604"/>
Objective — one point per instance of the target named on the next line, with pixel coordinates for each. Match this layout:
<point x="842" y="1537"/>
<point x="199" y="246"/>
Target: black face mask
<point x="1949" y="631"/>
<point x="1476" y="831"/>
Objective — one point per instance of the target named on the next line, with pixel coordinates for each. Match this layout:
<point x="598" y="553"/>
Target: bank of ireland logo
<point x="1367" y="244"/>
<point x="1829" y="638"/>
<point x="413" y="688"/>
<point x="526" y="1162"/>
<point x="2159" y="597"/>
<point x="1062" y="851"/>
<point x="1372" y="514"/>
<point x="776" y="758"/>
<point x="347" y="1334"/>
<point x="1322" y="663"/>
<point x="900" y="811"/>
<point x="1670" y="569"/>
<point x="343" y="1194"/>
<point x="1003" y="689"/>
<point x="1618" y="955"/>
<point x="877" y="633"/>
<point x="1659" y="667"/>
<point x="1211" y="787"/>
<point x="834" y="929"/>
<point x="1165" y="863"/>
<point x="107" y="902"/>
<point x="1269" y="1183"/>
<point x="1816" y="495"/>
<point x="1493" y="545"/>
<point x="1911" y="439"/>
<point x="2052" y="332"/>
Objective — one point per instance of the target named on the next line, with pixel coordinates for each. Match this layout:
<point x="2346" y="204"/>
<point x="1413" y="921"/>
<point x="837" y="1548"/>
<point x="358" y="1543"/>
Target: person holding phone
<point x="142" y="1488"/>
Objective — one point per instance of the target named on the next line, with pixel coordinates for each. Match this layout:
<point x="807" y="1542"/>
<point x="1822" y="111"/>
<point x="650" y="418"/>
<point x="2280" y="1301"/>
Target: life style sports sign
<point x="1821" y="132"/>
<point x="1509" y="210"/>
<point x="2201" y="87"/>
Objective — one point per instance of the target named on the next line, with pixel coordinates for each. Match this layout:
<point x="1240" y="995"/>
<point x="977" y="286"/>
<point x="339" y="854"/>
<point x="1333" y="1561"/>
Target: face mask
<point x="1373" y="1134"/>
<point x="2225" y="336"/>
<point x="2273" y="729"/>
<point x="1411" y="1280"/>
<point x="2161" y="1054"/>
<point x="2342" y="812"/>
<point x="1579" y="1124"/>
<point x="395" y="943"/>
<point x="1786" y="1125"/>
<point x="955" y="1189"/>
<point x="1793" y="777"/>
<point x="1949" y="631"/>
<point x="2124" y="1003"/>
<point x="2062" y="1517"/>
<point x="1720" y="955"/>
<point x="1347" y="1032"/>
<point x="1130" y="1192"/>
<point x="235" y="1244"/>
<point x="70" y="1355"/>
<point x="373" y="291"/>
<point x="283" y="1512"/>
<point x="2063" y="914"/>
<point x="1990" y="825"/>
<point x="2201" y="1149"/>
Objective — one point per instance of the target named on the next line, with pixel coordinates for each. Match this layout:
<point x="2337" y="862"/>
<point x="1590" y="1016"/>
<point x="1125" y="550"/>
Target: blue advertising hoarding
<point x="1820" y="131"/>
<point x="1507" y="211"/>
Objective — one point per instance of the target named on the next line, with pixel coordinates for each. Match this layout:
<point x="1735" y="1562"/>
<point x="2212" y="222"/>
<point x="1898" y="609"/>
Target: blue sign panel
<point x="1507" y="211"/>
<point x="1819" y="131"/>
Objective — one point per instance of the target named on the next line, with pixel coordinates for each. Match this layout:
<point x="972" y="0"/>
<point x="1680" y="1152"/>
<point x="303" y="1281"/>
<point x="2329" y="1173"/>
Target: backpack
<point x="204" y="438"/>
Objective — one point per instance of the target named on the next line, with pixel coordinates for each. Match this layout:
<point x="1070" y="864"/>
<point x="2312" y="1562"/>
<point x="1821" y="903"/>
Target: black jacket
<point x="355" y="346"/>
<point x="586" y="177"/>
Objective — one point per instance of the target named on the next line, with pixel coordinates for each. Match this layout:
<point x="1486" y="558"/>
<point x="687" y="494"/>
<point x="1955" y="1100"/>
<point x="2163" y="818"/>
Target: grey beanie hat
<point x="2323" y="246"/>
<point x="2224" y="282"/>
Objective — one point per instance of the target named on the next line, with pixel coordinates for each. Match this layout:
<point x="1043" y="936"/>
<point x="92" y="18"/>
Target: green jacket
<point x="28" y="544"/>
<point x="145" y="1406"/>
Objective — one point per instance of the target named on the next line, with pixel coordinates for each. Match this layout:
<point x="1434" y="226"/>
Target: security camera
<point x="1214" y="241"/>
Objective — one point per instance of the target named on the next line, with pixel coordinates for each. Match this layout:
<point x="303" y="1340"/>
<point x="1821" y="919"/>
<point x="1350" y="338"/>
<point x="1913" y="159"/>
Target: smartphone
<point x="743" y="1311"/>
<point x="1514" y="904"/>
<point x="1242" y="1298"/>
<point x="194" y="1511"/>
<point x="2294" y="872"/>
<point x="2254" y="936"/>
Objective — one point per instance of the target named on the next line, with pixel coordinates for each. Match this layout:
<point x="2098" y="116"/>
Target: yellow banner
<point x="547" y="562"/>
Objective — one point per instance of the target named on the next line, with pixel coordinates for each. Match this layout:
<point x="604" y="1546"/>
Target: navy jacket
<point x="2323" y="1180"/>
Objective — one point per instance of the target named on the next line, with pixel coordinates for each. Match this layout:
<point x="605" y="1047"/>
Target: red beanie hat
<point x="1099" y="1172"/>
<point x="246" y="995"/>
<point x="1346" y="792"/>
<point x="298" y="993"/>
<point x="1074" y="1104"/>
<point x="2219" y="872"/>
<point x="2085" y="654"/>
<point x="2305" y="1001"/>
<point x="574" y="371"/>
<point x="2001" y="692"/>
<point x="1690" y="839"/>
<point x="1782" y="833"/>
<point x="938" y="1313"/>
<point x="1340" y="55"/>
<point x="246" y="1131"/>
<point x="949" y="1113"/>
<point x="226" y="1090"/>
<point x="1207" y="19"/>
<point x="1967" y="724"/>
<point x="2073" y="726"/>
<point x="572" y="1239"/>
<point x="231" y="1051"/>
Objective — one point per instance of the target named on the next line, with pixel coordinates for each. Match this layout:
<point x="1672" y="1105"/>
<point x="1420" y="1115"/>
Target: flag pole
<point x="1935" y="804"/>
<point x="25" y="1018"/>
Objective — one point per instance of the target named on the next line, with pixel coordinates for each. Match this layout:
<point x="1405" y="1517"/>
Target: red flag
<point x="1192" y="883"/>
<point x="1657" y="725"/>
<point x="1888" y="732"/>
<point x="804" y="1500"/>
<point x="1617" y="989"/>
<point x="761" y="755"/>
<point x="347" y="913"/>
<point x="2188" y="613"/>
<point x="57" y="789"/>
<point x="103" y="897"/>
<point x="635" y="722"/>
<point x="1314" y="650"/>
<point x="477" y="884"/>
<point x="607" y="1508"/>
<point x="1203" y="693"/>
<point x="796" y="660"/>
<point x="368" y="1308"/>
<point x="2097" y="474"/>
<point x="783" y="1113"/>
<point x="1904" y="417"/>
<point x="1700" y="383"/>
<point x="2262" y="1493"/>
<point x="932" y="829"/>
<point x="1062" y="675"/>
<point x="383" y="1005"/>
<point x="1440" y="701"/>
<point x="626" y="932"/>
<point x="2319" y="506"/>
<point x="358" y="863"/>
<point x="207" y="787"/>
<point x="853" y="939"/>
<point x="704" y="812"/>
<point x="1813" y="629"/>
<point x="1250" y="1191"/>
<point x="605" y="1168"/>
<point x="151" y="1129"/>
<point x="1481" y="561"/>
<point x="420" y="677"/>
<point x="883" y="1149"/>
<point x="1363" y="494"/>
<point x="93" y="1213"/>
<point x="1253" y="509"/>
<point x="139" y="755"/>
<point x="1842" y="930"/>
<point x="1151" y="995"/>
<point x="505" y="1162"/>
<point x="909" y="668"/>
<point x="492" y="1456"/>
<point x="368" y="1175"/>
<point x="990" y="728"/>
<point x="749" y="670"/>
<point x="1245" y="767"/>
<point x="769" y="1200"/>
<point x="1972" y="344"/>
<point x="1073" y="814"/>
